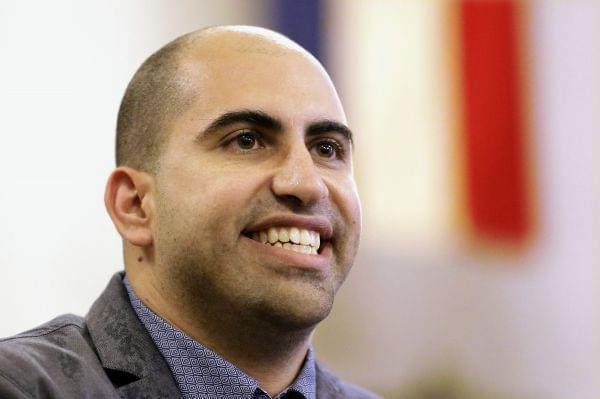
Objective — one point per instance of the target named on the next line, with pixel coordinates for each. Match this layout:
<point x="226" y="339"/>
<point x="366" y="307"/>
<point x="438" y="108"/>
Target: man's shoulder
<point x="66" y="320"/>
<point x="40" y="344"/>
<point x="331" y="386"/>
<point x="47" y="360"/>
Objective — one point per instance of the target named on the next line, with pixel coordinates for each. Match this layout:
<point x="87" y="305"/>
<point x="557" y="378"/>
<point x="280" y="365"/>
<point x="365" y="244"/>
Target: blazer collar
<point x="130" y="357"/>
<point x="126" y="351"/>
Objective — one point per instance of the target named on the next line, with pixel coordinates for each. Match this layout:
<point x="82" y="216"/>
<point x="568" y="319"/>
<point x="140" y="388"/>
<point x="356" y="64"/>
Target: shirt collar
<point x="200" y="372"/>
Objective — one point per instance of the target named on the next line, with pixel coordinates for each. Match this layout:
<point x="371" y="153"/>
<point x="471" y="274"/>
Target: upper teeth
<point x="299" y="240"/>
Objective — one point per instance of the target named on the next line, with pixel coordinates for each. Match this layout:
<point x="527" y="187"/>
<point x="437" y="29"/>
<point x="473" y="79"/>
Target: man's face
<point x="278" y="168"/>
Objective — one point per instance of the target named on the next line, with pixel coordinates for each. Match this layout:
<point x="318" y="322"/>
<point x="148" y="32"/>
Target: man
<point x="235" y="199"/>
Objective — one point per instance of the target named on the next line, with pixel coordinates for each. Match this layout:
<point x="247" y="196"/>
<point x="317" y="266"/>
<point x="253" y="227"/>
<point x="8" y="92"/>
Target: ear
<point x="128" y="201"/>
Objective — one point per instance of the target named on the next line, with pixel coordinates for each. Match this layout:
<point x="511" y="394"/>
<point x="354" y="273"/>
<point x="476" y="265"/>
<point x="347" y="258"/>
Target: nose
<point x="298" y="180"/>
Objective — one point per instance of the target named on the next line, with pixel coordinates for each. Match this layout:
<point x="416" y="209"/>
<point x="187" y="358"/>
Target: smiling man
<point x="235" y="198"/>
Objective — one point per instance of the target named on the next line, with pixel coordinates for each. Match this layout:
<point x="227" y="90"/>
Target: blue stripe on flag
<point x="300" y="20"/>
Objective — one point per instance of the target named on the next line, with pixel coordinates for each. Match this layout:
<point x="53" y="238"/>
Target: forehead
<point x="284" y="83"/>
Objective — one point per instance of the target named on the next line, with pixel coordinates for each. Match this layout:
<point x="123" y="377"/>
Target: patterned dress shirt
<point x="202" y="374"/>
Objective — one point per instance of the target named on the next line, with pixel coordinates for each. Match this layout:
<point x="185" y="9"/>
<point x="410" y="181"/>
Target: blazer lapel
<point x="127" y="353"/>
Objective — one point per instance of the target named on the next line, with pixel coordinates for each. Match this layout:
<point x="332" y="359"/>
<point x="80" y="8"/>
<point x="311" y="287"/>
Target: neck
<point x="271" y="355"/>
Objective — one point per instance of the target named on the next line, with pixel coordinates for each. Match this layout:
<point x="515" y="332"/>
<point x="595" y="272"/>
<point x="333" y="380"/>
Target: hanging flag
<point x="493" y="120"/>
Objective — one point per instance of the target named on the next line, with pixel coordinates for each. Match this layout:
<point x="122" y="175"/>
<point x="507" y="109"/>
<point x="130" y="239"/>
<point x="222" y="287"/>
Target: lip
<point x="319" y="224"/>
<point x="286" y="258"/>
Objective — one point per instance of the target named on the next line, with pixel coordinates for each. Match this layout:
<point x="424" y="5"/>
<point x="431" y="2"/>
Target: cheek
<point x="355" y="210"/>
<point x="202" y="186"/>
<point x="213" y="199"/>
<point x="345" y="196"/>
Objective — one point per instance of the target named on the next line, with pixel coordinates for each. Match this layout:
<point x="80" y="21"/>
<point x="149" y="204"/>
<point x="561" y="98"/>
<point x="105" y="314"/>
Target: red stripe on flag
<point x="492" y="120"/>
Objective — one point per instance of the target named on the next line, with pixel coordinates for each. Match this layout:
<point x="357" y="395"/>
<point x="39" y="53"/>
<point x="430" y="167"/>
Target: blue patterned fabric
<point x="202" y="374"/>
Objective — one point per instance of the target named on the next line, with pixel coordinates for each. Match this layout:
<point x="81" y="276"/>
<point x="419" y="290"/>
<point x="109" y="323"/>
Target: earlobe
<point x="128" y="201"/>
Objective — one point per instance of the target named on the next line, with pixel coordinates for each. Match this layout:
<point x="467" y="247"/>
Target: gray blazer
<point x="107" y="354"/>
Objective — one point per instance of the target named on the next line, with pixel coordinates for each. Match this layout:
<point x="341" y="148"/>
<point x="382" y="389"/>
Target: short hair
<point x="156" y="94"/>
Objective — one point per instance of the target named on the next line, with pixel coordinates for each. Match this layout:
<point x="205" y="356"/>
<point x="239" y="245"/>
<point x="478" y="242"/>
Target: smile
<point x="291" y="238"/>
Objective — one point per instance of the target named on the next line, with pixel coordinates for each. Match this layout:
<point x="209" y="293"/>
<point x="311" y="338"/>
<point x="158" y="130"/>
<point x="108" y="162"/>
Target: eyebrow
<point x="327" y="126"/>
<point x="252" y="117"/>
<point x="262" y="119"/>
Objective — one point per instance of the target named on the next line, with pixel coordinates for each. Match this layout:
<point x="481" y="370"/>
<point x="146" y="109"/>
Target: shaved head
<point x="163" y="87"/>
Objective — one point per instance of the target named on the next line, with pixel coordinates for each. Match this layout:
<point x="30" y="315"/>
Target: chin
<point x="296" y="310"/>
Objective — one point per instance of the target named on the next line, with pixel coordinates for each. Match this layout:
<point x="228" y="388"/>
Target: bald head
<point x="165" y="85"/>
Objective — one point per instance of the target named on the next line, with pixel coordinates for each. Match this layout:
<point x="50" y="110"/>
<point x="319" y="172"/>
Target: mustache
<point x="264" y="209"/>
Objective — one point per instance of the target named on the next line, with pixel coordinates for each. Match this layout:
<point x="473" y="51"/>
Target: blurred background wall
<point x="476" y="122"/>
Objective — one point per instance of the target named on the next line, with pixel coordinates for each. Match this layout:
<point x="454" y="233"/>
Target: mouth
<point x="293" y="239"/>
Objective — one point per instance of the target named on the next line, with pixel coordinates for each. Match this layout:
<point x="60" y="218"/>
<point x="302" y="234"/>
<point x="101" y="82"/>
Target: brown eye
<point x="326" y="150"/>
<point x="246" y="141"/>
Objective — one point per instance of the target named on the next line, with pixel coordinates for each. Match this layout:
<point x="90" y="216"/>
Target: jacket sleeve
<point x="10" y="389"/>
